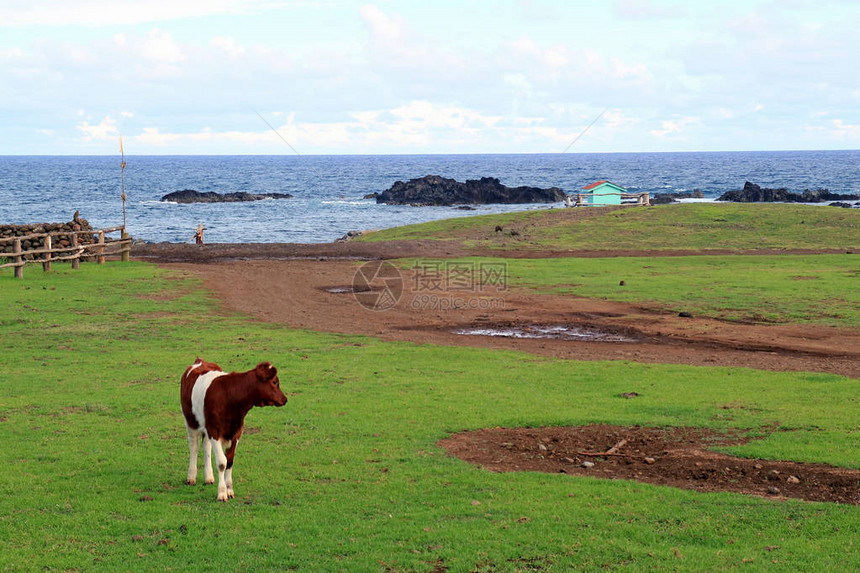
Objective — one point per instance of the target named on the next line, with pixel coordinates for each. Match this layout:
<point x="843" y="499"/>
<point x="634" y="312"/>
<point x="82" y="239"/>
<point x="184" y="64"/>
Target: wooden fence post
<point x="46" y="266"/>
<point x="101" y="249"/>
<point x="126" y="247"/>
<point x="76" y="262"/>
<point x="18" y="259"/>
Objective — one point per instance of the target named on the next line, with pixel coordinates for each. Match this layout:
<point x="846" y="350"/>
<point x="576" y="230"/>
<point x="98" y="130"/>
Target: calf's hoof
<point x="190" y="481"/>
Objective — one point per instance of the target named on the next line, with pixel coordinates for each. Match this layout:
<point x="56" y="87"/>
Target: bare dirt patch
<point x="320" y="295"/>
<point x="677" y="457"/>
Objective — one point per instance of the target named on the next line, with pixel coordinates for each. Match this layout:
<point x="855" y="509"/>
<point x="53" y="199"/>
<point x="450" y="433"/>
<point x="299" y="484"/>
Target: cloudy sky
<point x="343" y="77"/>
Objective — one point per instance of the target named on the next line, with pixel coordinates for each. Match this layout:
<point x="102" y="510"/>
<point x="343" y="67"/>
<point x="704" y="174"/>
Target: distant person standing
<point x="198" y="235"/>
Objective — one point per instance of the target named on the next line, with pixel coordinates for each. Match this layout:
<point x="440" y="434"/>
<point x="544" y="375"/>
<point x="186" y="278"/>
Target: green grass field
<point x="347" y="476"/>
<point x="704" y="226"/>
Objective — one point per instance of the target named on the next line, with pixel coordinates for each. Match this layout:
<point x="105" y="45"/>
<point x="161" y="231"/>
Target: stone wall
<point x="56" y="229"/>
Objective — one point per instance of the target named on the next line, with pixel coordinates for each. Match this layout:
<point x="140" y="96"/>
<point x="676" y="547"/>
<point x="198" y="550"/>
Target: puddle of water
<point x="347" y="289"/>
<point x="559" y="332"/>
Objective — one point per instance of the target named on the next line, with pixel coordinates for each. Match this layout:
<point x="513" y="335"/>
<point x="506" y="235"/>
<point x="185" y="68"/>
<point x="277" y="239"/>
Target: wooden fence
<point x="95" y="244"/>
<point x="590" y="199"/>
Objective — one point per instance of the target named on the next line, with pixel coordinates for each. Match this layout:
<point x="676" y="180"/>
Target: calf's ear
<point x="265" y="371"/>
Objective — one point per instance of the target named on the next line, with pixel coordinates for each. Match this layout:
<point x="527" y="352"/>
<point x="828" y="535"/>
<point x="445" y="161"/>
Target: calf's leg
<point x="193" y="437"/>
<point x="208" y="475"/>
<point x="228" y="474"/>
<point x="221" y="461"/>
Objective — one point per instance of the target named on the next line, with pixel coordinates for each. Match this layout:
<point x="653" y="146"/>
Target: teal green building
<point x="603" y="193"/>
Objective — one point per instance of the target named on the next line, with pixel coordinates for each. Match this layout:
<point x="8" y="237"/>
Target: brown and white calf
<point x="214" y="404"/>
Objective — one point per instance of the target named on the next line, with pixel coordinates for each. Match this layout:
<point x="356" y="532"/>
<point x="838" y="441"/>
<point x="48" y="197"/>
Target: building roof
<point x="597" y="184"/>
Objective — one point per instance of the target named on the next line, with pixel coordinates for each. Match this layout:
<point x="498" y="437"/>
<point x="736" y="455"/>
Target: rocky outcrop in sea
<point x="752" y="193"/>
<point x="666" y="198"/>
<point x="192" y="196"/>
<point x="436" y="190"/>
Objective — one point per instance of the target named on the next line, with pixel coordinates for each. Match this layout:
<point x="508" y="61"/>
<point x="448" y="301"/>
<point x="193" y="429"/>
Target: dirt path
<point x="224" y="252"/>
<point x="319" y="295"/>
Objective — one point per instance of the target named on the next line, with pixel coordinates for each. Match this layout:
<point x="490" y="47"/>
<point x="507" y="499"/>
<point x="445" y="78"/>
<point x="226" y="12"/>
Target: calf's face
<point x="269" y="386"/>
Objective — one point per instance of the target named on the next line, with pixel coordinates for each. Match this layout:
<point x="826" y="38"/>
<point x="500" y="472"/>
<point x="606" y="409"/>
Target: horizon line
<point x="416" y="154"/>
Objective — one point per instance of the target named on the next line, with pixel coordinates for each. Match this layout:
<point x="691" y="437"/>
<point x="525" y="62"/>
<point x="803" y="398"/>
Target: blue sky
<point x="343" y="77"/>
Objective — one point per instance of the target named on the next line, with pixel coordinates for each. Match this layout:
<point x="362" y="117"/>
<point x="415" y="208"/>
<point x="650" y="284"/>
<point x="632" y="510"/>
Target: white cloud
<point x="636" y="73"/>
<point x="529" y="121"/>
<point x="552" y="59"/>
<point x="538" y="10"/>
<point x="229" y="46"/>
<point x="428" y="115"/>
<point x="518" y="81"/>
<point x="366" y="117"/>
<point x="382" y="26"/>
<point x="645" y="10"/>
<point x="160" y="48"/>
<point x="675" y="126"/>
<point x="615" y="118"/>
<point x="588" y="71"/>
<point x="541" y="61"/>
<point x="391" y="77"/>
<point x="395" y="46"/>
<point x="153" y="137"/>
<point x="106" y="129"/>
<point x="413" y="126"/>
<point x="844" y="130"/>
<point x="157" y="56"/>
<point x="12" y="53"/>
<point x="116" y="12"/>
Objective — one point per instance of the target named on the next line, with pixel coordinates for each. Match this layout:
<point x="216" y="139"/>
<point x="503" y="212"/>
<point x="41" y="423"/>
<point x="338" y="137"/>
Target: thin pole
<point x="101" y="248"/>
<point x="126" y="247"/>
<point x="46" y="266"/>
<point x="18" y="259"/>
<point x="76" y="262"/>
<point x="122" y="176"/>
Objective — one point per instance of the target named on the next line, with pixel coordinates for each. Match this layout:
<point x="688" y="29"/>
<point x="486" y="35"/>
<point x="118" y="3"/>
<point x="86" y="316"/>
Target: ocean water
<point x="327" y="190"/>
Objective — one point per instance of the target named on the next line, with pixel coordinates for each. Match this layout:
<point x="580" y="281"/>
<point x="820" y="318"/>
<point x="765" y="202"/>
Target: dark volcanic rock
<point x="752" y="193"/>
<point x="436" y="190"/>
<point x="666" y="198"/>
<point x="191" y="196"/>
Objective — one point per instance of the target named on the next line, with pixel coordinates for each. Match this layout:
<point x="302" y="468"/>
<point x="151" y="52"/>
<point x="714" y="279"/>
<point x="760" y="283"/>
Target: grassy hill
<point x="695" y="226"/>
